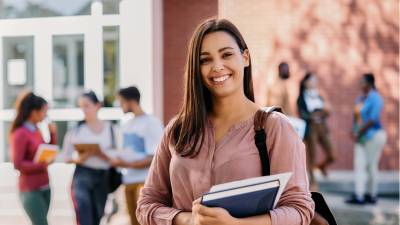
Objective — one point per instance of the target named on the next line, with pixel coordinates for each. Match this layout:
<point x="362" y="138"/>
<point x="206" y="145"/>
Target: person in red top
<point x="25" y="138"/>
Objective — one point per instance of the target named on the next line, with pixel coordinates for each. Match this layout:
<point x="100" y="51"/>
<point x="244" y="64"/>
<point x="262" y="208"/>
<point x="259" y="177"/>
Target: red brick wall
<point x="180" y="19"/>
<point x="338" y="40"/>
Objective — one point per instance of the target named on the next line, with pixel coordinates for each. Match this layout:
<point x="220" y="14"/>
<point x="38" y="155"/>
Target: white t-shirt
<point x="313" y="100"/>
<point x="141" y="136"/>
<point x="83" y="134"/>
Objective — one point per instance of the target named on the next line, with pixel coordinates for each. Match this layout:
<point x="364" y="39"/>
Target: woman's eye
<point x="226" y="55"/>
<point x="204" y="61"/>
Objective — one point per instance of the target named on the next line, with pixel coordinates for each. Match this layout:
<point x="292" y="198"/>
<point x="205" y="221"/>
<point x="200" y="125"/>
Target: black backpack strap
<point x="113" y="143"/>
<point x="323" y="214"/>
<point x="260" y="137"/>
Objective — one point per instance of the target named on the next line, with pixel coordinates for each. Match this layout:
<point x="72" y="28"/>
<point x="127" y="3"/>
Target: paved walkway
<point x="386" y="212"/>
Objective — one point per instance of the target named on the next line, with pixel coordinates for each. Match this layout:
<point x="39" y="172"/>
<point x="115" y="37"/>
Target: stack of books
<point x="249" y="197"/>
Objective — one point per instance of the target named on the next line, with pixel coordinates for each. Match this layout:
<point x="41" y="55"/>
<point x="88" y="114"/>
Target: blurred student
<point x="90" y="183"/>
<point x="141" y="136"/>
<point x="370" y="138"/>
<point x="25" y="138"/>
<point x="278" y="94"/>
<point x="312" y="108"/>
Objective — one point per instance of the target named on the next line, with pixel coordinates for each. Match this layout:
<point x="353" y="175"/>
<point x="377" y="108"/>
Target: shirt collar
<point x="30" y="126"/>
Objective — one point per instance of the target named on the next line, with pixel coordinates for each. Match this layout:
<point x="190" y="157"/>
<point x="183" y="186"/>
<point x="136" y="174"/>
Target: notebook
<point x="46" y="153"/>
<point x="87" y="147"/>
<point x="248" y="197"/>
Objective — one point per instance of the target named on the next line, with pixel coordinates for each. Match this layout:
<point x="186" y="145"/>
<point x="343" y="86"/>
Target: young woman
<point x="25" y="138"/>
<point x="211" y="141"/>
<point x="312" y="108"/>
<point x="90" y="184"/>
<point x="370" y="138"/>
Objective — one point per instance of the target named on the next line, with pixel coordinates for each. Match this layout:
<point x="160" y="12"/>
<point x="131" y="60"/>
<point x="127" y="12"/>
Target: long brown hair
<point x="24" y="107"/>
<point x="188" y="128"/>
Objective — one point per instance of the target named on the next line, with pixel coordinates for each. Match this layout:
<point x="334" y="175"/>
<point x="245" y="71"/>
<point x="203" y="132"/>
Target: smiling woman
<point x="222" y="70"/>
<point x="211" y="140"/>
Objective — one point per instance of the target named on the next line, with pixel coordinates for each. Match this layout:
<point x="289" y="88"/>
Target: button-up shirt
<point x="174" y="182"/>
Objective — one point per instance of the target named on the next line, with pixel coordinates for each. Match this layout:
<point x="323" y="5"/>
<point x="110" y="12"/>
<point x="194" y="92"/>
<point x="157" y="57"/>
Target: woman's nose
<point x="218" y="67"/>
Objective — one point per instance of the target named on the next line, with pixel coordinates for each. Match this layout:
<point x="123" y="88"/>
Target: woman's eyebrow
<point x="220" y="50"/>
<point x="224" y="48"/>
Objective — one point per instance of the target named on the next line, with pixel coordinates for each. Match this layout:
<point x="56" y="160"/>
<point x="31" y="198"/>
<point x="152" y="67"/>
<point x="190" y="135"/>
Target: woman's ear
<point x="246" y="57"/>
<point x="98" y="106"/>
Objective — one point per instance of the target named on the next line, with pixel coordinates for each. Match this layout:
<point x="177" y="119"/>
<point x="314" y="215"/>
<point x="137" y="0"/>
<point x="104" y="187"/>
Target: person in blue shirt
<point x="141" y="136"/>
<point x="370" y="139"/>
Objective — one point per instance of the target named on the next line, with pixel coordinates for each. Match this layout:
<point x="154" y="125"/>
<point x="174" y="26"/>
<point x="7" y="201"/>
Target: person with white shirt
<point x="90" y="184"/>
<point x="313" y="109"/>
<point x="141" y="136"/>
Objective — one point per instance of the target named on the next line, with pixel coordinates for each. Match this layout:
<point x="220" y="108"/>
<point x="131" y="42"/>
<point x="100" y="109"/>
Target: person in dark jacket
<point x="312" y="108"/>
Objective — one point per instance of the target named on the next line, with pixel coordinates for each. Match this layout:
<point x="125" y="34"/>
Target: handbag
<point x="322" y="214"/>
<point x="114" y="179"/>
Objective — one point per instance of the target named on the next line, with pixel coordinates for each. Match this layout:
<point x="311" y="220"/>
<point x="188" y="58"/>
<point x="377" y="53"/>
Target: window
<point x="111" y="64"/>
<point x="68" y="70"/>
<point x="16" y="49"/>
<point x="13" y="9"/>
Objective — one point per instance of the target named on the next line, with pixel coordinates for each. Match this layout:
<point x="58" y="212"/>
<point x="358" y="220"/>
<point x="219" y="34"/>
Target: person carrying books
<point x="90" y="182"/>
<point x="211" y="141"/>
<point x="141" y="136"/>
<point x="25" y="139"/>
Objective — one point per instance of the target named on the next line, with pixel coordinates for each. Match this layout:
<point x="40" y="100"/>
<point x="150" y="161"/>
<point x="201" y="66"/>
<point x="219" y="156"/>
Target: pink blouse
<point x="174" y="182"/>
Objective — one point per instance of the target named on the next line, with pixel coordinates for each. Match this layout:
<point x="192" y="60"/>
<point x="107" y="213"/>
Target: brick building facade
<point x="338" y="40"/>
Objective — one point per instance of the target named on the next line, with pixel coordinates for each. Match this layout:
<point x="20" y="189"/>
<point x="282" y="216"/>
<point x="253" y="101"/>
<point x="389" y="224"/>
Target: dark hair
<point x="369" y="79"/>
<point x="188" y="128"/>
<point x="91" y="96"/>
<point x="283" y="74"/>
<point x="24" y="107"/>
<point x="303" y="81"/>
<point x="130" y="93"/>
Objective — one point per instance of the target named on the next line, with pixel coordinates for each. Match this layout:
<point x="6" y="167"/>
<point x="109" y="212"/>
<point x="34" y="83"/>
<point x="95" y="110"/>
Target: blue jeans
<point x="89" y="194"/>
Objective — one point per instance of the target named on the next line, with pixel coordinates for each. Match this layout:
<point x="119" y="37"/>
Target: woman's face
<point x="364" y="86"/>
<point x="88" y="107"/>
<point x="222" y="64"/>
<point x="39" y="115"/>
<point x="311" y="83"/>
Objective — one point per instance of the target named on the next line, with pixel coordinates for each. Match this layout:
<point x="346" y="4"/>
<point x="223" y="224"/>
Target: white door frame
<point x="140" y="26"/>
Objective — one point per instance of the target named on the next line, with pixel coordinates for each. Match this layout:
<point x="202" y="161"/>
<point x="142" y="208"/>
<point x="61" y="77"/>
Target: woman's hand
<point x="82" y="158"/>
<point x="117" y="162"/>
<point x="183" y="218"/>
<point x="203" y="215"/>
<point x="99" y="153"/>
<point x="52" y="128"/>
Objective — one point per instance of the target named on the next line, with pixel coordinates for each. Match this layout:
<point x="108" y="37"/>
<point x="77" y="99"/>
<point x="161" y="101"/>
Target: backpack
<point x="322" y="214"/>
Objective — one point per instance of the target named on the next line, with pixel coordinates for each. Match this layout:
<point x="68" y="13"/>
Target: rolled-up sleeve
<point x="372" y="108"/>
<point x="155" y="201"/>
<point x="287" y="154"/>
<point x="68" y="148"/>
